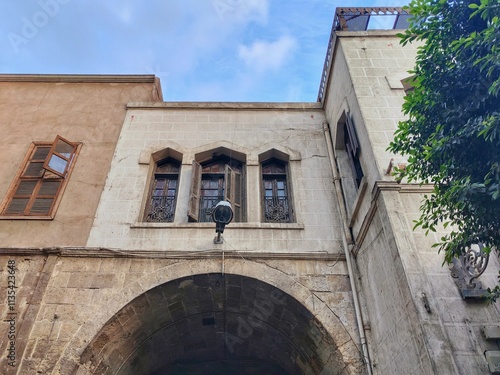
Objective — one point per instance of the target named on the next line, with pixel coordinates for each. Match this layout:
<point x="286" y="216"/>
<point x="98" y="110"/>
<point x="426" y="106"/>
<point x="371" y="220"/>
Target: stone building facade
<point x="108" y="259"/>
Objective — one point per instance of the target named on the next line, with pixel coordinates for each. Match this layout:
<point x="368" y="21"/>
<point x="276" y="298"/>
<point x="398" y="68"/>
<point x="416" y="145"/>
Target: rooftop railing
<point x="361" y="19"/>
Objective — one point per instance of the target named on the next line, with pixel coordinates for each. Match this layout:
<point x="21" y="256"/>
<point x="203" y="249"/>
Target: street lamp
<point x="221" y="215"/>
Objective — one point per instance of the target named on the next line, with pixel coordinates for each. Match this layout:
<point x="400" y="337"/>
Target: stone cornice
<point x="99" y="252"/>
<point x="378" y="188"/>
<point x="79" y="78"/>
<point x="401" y="187"/>
<point x="227" y="105"/>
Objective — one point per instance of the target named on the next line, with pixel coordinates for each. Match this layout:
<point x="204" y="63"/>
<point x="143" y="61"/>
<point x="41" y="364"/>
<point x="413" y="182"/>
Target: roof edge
<point x="227" y="105"/>
<point x="79" y="78"/>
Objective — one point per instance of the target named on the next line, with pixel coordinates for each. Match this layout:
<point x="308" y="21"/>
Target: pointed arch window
<point x="277" y="203"/>
<point x="215" y="180"/>
<point x="163" y="195"/>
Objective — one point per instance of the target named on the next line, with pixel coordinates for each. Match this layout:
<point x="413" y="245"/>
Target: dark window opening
<point x="163" y="195"/>
<point x="352" y="148"/>
<point x="277" y="206"/>
<point x="213" y="181"/>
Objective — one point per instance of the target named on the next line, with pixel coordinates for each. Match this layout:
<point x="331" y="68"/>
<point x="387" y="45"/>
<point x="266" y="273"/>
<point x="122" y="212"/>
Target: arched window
<point x="220" y="178"/>
<point x="277" y="202"/>
<point x="164" y="186"/>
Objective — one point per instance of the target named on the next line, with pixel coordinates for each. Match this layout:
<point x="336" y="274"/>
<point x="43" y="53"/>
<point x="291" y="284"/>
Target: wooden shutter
<point x="20" y="201"/>
<point x="60" y="155"/>
<point x="46" y="196"/>
<point x="232" y="192"/>
<point x="351" y="134"/>
<point x="194" y="200"/>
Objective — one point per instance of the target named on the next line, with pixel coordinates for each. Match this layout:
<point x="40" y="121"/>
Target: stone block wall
<point x="418" y="322"/>
<point x="76" y="307"/>
<point x="249" y="129"/>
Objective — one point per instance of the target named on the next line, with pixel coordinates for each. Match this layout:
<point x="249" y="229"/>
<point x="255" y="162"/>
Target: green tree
<point x="452" y="135"/>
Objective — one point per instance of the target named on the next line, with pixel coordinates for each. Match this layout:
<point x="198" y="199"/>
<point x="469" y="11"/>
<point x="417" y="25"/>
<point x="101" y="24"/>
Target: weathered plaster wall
<point x="90" y="111"/>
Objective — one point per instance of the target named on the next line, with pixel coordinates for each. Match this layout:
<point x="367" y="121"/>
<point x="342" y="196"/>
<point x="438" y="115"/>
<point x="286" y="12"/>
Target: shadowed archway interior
<point x="213" y="324"/>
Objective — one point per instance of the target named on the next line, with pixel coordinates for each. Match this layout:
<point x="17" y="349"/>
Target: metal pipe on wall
<point x="347" y="240"/>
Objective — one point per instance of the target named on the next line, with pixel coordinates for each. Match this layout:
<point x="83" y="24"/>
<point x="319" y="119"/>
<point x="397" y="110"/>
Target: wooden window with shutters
<point x="163" y="192"/>
<point x="277" y="202"/>
<point x="213" y="181"/>
<point x="40" y="181"/>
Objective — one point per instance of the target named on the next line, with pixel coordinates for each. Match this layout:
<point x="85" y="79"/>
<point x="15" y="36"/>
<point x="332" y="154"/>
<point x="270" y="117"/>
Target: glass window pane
<point x="58" y="164"/>
<point x="64" y="148"/>
<point x="160" y="184"/>
<point x="280" y="184"/>
<point x="157" y="193"/>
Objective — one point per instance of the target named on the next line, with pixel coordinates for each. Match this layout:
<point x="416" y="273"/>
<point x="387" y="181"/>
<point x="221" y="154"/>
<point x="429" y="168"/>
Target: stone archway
<point x="213" y="324"/>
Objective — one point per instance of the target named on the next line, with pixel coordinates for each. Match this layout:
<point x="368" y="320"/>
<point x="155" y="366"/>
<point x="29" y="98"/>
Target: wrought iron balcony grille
<point x="360" y="19"/>
<point x="276" y="210"/>
<point x="162" y="209"/>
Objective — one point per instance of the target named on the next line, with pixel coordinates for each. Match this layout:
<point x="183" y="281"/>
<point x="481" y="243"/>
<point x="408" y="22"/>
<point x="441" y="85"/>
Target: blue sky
<point x="202" y="50"/>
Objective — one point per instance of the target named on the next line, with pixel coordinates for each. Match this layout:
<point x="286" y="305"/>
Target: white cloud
<point x="263" y="56"/>
<point x="242" y="10"/>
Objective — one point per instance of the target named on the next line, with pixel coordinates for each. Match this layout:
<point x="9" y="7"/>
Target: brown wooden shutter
<point x="194" y="200"/>
<point x="232" y="192"/>
<point x="17" y="206"/>
<point x="45" y="197"/>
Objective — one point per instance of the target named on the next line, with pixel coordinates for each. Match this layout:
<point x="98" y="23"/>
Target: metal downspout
<point x="346" y="241"/>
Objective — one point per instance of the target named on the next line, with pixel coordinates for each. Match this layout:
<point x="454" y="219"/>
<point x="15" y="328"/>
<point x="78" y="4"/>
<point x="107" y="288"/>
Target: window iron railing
<point x="276" y="210"/>
<point x="162" y="210"/>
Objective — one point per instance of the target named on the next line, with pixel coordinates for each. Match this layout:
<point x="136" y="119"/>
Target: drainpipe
<point x="346" y="241"/>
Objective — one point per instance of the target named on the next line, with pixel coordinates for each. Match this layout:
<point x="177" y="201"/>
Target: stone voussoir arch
<point x="71" y="359"/>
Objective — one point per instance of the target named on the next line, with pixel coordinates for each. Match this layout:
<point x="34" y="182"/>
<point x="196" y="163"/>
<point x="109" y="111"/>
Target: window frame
<point x="285" y="177"/>
<point x="156" y="175"/>
<point x="231" y="178"/>
<point x="54" y="153"/>
<point x="48" y="176"/>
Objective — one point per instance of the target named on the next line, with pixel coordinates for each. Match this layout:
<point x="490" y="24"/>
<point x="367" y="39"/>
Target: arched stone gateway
<point x="214" y="324"/>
